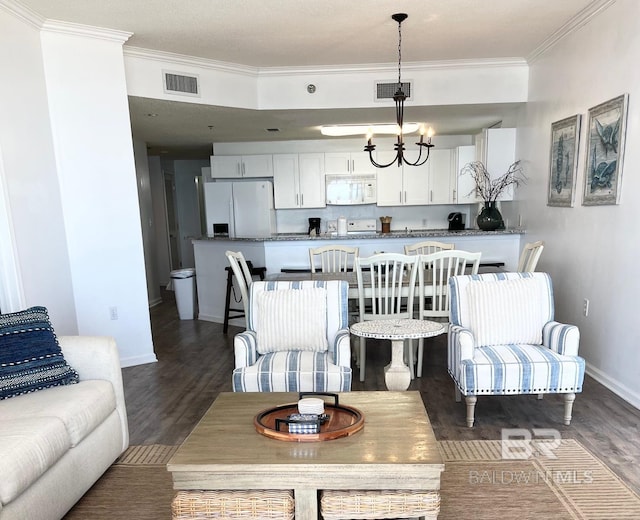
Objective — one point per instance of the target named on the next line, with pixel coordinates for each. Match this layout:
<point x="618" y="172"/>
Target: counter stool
<point x="238" y="313"/>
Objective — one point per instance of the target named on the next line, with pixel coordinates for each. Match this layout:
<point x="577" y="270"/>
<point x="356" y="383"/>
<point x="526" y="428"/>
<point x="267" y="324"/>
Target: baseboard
<point x="154" y="302"/>
<point x="238" y="322"/>
<point x="206" y="317"/>
<point x="633" y="398"/>
<point x="138" y="360"/>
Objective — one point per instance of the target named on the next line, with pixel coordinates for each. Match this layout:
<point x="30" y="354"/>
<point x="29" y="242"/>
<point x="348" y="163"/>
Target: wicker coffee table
<point x="395" y="450"/>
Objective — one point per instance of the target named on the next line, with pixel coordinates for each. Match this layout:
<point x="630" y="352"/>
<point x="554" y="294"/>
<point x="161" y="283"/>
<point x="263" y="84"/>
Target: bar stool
<point x="238" y="313"/>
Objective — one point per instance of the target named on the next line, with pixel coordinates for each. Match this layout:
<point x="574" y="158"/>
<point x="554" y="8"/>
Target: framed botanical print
<point x="605" y="151"/>
<point x="565" y="136"/>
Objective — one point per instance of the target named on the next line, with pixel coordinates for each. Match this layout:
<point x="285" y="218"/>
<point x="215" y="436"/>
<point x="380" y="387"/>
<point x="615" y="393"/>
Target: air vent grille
<point x="181" y="84"/>
<point x="387" y="90"/>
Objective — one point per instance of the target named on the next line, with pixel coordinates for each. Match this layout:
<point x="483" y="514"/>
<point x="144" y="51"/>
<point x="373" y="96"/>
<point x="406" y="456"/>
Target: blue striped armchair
<point x="503" y="340"/>
<point x="297" y="338"/>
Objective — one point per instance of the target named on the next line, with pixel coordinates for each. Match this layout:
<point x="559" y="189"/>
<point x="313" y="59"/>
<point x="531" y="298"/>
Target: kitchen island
<point x="291" y="251"/>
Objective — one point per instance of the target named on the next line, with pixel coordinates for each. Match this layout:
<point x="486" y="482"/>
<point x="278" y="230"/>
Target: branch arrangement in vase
<point x="489" y="189"/>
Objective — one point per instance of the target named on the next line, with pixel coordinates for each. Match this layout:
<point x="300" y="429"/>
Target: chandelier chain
<point x="399" y="54"/>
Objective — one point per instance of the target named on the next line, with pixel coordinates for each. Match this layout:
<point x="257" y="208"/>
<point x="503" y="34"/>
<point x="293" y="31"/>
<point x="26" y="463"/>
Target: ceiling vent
<point x="175" y="83"/>
<point x="385" y="91"/>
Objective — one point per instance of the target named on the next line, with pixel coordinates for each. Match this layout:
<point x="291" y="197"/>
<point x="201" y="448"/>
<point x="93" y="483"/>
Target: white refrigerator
<point x="247" y="207"/>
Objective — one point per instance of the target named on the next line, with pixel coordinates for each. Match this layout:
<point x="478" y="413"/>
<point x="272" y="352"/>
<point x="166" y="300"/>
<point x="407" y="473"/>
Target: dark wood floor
<point x="195" y="359"/>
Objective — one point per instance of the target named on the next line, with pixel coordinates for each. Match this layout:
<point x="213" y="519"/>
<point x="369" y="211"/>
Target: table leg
<point x="397" y="374"/>
<point x="306" y="503"/>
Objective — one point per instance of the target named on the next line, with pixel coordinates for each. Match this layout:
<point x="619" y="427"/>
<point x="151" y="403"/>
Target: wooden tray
<point x="342" y="422"/>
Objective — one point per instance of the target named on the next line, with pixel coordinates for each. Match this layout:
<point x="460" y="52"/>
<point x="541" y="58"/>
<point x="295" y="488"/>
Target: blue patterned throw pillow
<point x="30" y="357"/>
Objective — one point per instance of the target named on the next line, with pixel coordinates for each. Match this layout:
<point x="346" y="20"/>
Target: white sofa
<point x="55" y="443"/>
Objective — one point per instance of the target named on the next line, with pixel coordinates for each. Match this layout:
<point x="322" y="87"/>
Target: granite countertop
<point x="418" y="233"/>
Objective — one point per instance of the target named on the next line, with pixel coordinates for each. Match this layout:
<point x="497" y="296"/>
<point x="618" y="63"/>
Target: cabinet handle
<point x="454" y="196"/>
<point x="400" y="197"/>
<point x="430" y="195"/>
<point x="353" y="165"/>
<point x="302" y="199"/>
<point x="297" y="199"/>
<point x="243" y="170"/>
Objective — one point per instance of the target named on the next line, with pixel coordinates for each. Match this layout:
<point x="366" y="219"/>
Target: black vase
<point x="490" y="218"/>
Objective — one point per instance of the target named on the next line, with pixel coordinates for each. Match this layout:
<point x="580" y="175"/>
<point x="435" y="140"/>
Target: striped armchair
<point x="503" y="340"/>
<point x="297" y="338"/>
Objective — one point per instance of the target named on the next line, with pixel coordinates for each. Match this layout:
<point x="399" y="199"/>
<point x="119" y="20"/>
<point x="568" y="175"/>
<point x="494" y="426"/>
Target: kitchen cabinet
<point x="442" y="176"/>
<point x="466" y="186"/>
<point x="352" y="163"/>
<point x="496" y="148"/>
<point x="402" y="186"/>
<point x="298" y="180"/>
<point x="239" y="166"/>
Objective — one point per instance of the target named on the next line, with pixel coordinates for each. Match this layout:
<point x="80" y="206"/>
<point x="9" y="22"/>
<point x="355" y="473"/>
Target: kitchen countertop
<point x="418" y="233"/>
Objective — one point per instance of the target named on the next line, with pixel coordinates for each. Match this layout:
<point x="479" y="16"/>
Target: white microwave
<point x="343" y="190"/>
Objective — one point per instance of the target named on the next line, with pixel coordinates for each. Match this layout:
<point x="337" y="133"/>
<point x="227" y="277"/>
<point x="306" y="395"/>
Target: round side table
<point x="397" y="374"/>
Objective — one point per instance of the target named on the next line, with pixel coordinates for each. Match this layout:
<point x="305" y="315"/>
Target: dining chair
<point x="529" y="257"/>
<point x="333" y="259"/>
<point x="434" y="271"/>
<point x="427" y="247"/>
<point x="386" y="289"/>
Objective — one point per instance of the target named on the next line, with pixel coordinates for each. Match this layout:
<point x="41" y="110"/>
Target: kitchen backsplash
<point x="412" y="218"/>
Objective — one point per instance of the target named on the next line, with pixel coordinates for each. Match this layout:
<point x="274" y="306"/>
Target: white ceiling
<point x="289" y="33"/>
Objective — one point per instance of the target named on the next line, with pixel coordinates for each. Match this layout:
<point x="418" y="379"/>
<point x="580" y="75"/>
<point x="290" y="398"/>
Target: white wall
<point x="160" y="220"/>
<point x="34" y="228"/>
<point x="187" y="174"/>
<point x="147" y="219"/>
<point x="591" y="252"/>
<point x="91" y="130"/>
<point x="446" y="83"/>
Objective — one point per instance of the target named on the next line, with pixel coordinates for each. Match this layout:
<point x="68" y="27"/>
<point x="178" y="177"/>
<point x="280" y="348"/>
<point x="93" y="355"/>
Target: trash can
<point x="184" y="285"/>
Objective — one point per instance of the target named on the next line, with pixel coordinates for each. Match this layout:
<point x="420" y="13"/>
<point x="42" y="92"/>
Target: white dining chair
<point x="427" y="247"/>
<point x="529" y="257"/>
<point x="434" y="271"/>
<point x="386" y="288"/>
<point x="332" y="259"/>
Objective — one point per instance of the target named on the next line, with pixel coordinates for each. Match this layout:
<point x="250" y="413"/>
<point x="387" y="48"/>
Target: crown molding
<point x="191" y="61"/>
<point x="188" y="61"/>
<point x="386" y="67"/>
<point x="85" y="31"/>
<point x="582" y="18"/>
<point x="23" y="13"/>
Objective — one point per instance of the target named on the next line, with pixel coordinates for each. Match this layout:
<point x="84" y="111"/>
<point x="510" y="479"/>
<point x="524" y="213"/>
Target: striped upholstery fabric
<point x="306" y="308"/>
<point x="520" y="369"/>
<point x="295" y="370"/>
<point x="511" y="368"/>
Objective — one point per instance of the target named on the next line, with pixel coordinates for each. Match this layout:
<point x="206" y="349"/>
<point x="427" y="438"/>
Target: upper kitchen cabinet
<point x="466" y="189"/>
<point x="401" y="186"/>
<point x="441" y="175"/>
<point x="352" y="163"/>
<point x="298" y="180"/>
<point x="239" y="166"/>
<point x="496" y="148"/>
